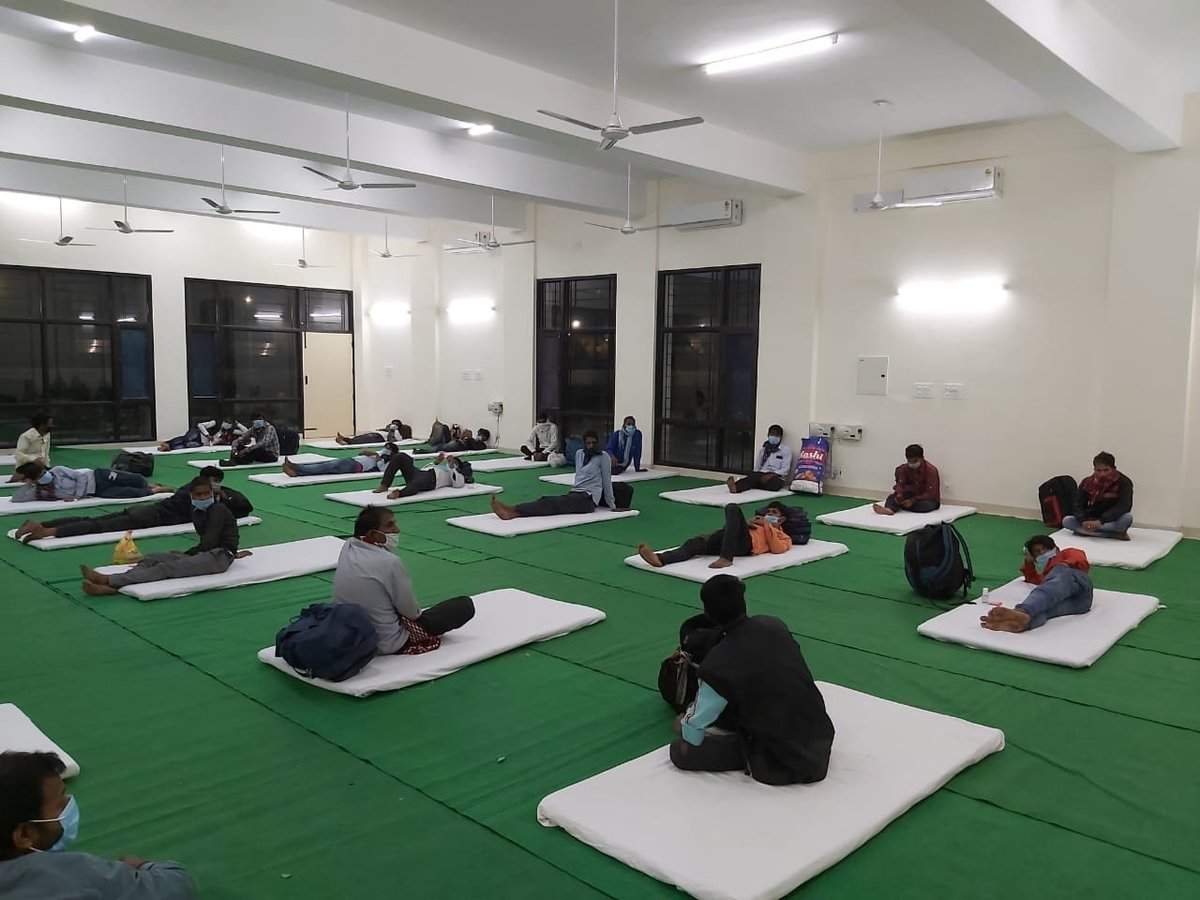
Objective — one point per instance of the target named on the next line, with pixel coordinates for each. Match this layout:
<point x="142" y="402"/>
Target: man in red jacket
<point x="918" y="485"/>
<point x="1063" y="588"/>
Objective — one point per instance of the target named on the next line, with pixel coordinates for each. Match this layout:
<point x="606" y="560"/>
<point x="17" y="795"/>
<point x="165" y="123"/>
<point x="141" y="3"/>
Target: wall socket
<point x="953" y="390"/>
<point x="923" y="390"/>
<point x="821" y="429"/>
<point x="849" y="432"/>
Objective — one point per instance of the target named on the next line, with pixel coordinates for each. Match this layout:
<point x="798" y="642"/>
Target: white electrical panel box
<point x="872" y="376"/>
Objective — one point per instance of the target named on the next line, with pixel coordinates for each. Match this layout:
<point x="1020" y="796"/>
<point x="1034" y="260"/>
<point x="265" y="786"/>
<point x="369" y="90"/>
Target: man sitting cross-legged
<point x="1064" y="588"/>
<point x="593" y="486"/>
<point x="217" y="528"/>
<point x="918" y="485"/>
<point x="763" y="534"/>
<point x="371" y="575"/>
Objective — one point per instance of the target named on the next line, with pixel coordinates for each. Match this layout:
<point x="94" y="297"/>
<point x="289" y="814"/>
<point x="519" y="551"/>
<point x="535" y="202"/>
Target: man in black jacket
<point x="1104" y="503"/>
<point x="218" y="548"/>
<point x="754" y="679"/>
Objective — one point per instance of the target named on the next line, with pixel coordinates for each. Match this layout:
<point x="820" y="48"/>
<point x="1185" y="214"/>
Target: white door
<point x="328" y="384"/>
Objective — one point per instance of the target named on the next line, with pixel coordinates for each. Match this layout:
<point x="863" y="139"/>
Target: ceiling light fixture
<point x="85" y="33"/>
<point x="480" y="130"/>
<point x="780" y="53"/>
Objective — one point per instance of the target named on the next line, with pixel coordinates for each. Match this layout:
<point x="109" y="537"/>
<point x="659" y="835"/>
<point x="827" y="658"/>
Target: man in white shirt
<point x="34" y="445"/>
<point x="371" y="575"/>
<point x="446" y="471"/>
<point x="543" y="440"/>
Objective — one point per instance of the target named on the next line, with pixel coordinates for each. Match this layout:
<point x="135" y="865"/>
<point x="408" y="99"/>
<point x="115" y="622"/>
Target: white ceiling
<point x="1170" y="29"/>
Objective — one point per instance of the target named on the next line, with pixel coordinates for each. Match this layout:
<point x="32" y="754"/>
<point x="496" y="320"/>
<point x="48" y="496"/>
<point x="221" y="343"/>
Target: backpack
<point x="677" y="680"/>
<point x="1057" y="499"/>
<point x="289" y="440"/>
<point x="937" y="562"/>
<point x="405" y="432"/>
<point x="465" y="470"/>
<point x="439" y="433"/>
<point x="332" y="641"/>
<point x="136" y="463"/>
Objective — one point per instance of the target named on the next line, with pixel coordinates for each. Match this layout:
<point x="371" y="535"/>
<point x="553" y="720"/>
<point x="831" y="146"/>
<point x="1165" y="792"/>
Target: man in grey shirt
<point x="593" y="486"/>
<point x="39" y="819"/>
<point x="371" y="575"/>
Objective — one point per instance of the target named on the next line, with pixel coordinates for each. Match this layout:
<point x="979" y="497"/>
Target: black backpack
<point x="677" y="680"/>
<point x="332" y="641"/>
<point x="937" y="562"/>
<point x="465" y="470"/>
<point x="289" y="440"/>
<point x="1057" y="499"/>
<point x="135" y="463"/>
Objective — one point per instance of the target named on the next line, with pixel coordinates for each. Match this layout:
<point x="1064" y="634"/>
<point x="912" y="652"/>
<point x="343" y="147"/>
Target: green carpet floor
<point x="191" y="749"/>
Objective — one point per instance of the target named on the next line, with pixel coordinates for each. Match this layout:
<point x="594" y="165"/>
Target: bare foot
<point x="164" y="448"/>
<point x="882" y="510"/>
<point x="720" y="563"/>
<point x="394" y="495"/>
<point x="1001" y="618"/>
<point x="341" y="438"/>
<point x="90" y="574"/>
<point x="98" y="590"/>
<point x="378" y="490"/>
<point x="28" y="527"/>
<point x="1124" y="536"/>
<point x="289" y="468"/>
<point x="646" y="552"/>
<point x="503" y="511"/>
<point x="731" y="483"/>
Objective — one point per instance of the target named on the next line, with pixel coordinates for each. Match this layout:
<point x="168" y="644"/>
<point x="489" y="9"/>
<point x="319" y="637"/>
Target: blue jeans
<point x="1066" y="592"/>
<point x="333" y="467"/>
<point x="1115" y="528"/>
<point x="115" y="485"/>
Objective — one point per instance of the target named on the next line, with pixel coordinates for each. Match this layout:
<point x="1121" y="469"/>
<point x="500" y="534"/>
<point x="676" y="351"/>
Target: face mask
<point x="915" y="465"/>
<point x="46" y="478"/>
<point x="227" y="426"/>
<point x="391" y="541"/>
<point x="772" y="520"/>
<point x="773" y="440"/>
<point x="70" y="826"/>
<point x="203" y="504"/>
<point x="1043" y="560"/>
<point x="260" y="423"/>
<point x="630" y="429"/>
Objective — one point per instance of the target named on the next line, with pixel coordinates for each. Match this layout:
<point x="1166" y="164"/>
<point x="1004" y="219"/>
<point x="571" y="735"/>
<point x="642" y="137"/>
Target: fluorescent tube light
<point x="771" y="55"/>
<point x="969" y="295"/>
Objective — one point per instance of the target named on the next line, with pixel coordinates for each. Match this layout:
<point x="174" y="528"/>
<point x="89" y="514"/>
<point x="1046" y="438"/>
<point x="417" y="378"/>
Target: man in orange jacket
<point x="1063" y="588"/>
<point x="763" y="534"/>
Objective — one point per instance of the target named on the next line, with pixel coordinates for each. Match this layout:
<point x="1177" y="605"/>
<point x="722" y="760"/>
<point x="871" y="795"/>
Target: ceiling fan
<point x="64" y="240"/>
<point x="878" y="201"/>
<point x="616" y="130"/>
<point x="302" y="262"/>
<point x="223" y="209"/>
<point x="348" y="183"/>
<point x="386" y="252"/>
<point x="484" y="240"/>
<point x="628" y="227"/>
<point x="123" y="225"/>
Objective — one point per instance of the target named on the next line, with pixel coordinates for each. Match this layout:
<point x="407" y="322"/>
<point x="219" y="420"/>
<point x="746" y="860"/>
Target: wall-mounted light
<point x="953" y="297"/>
<point x="390" y="314"/>
<point x="768" y="55"/>
<point x="470" y="309"/>
<point x="480" y="130"/>
<point x="85" y="33"/>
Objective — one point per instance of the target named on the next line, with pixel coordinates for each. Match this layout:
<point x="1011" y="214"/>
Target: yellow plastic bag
<point x="126" y="551"/>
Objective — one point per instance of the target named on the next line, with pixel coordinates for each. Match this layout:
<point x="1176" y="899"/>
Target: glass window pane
<point x="257" y="306"/>
<point x="20" y="293"/>
<point x="692" y="299"/>
<point x="204" y="410"/>
<point x="327" y="311"/>
<point x="135" y="422"/>
<point x="135" y="363"/>
<point x="202" y="363"/>
<point x="83" y="422"/>
<point x="285" y="413"/>
<point x="79" y="362"/>
<point x="592" y="303"/>
<point x="549" y="371"/>
<point x="201" y="301"/>
<point x="738" y="450"/>
<point x="551" y="312"/>
<point x="742" y="309"/>
<point x="78" y="296"/>
<point x="589" y="374"/>
<point x="21" y="363"/>
<point x="14" y="420"/>
<point x="739" y="359"/>
<point x="131" y="299"/>
<point x="689" y="445"/>
<point x="263" y="365"/>
<point x="689" y="377"/>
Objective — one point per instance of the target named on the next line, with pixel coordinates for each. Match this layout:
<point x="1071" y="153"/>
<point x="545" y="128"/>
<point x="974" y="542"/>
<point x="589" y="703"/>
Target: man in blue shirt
<point x="772" y="468"/>
<point x="625" y="447"/>
<point x="593" y="487"/>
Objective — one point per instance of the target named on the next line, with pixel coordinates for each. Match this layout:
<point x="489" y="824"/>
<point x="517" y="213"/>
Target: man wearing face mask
<point x="764" y="533"/>
<point x="217" y="528"/>
<point x="593" y="487"/>
<point x="38" y="822"/>
<point x="371" y="575"/>
<point x="543" y="440"/>
<point x="69" y="485"/>
<point x="365" y="461"/>
<point x="258" y="445"/>
<point x="918" y="485"/>
<point x="1064" y="588"/>
<point x="773" y="469"/>
<point x="625" y="447"/>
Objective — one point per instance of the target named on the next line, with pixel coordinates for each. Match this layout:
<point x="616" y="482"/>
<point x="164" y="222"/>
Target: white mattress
<point x="625" y="477"/>
<point x="6" y="485"/>
<point x="696" y="568"/>
<point x="331" y="444"/>
<point x="111" y="537"/>
<point x="8" y="508"/>
<point x="1075" y="641"/>
<point x="370" y="498"/>
<point x="1145" y="545"/>
<point x="279" y="480"/>
<point x="508" y="463"/>
<point x="7" y="460"/>
<point x="723" y="836"/>
<point x="295" y="457"/>
<point x="866" y="518"/>
<point x="434" y="455"/>
<point x="720" y="495"/>
<point x="17" y="732"/>
<point x="490" y="523"/>
<point x="270" y="563"/>
<point x="504" y="619"/>
<point x="154" y="451"/>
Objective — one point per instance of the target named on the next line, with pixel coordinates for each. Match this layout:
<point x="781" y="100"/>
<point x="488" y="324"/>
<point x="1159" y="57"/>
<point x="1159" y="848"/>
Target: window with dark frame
<point x="707" y="368"/>
<point x="576" y="352"/>
<point x="245" y="345"/>
<point x="80" y="346"/>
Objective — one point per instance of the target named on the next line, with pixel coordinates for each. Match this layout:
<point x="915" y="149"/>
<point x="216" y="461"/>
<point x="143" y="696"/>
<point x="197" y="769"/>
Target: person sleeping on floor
<point x="774" y="529"/>
<point x="757" y="708"/>
<point x="1063" y="588"/>
<point x="370" y="575"/>
<point x="175" y="510"/>
<point x="205" y="434"/>
<point x="593" y="487"/>
<point x="217" y="529"/>
<point x="365" y="461"/>
<point x="1104" y="503"/>
<point x="918" y="485"/>
<point x="391" y="433"/>
<point x="61" y="483"/>
<point x="773" y="471"/>
<point x="445" y="472"/>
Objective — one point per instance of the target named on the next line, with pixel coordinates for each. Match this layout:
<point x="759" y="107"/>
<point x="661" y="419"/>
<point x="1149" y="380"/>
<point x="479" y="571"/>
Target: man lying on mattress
<point x="217" y="527"/>
<point x="371" y="575"/>
<point x="757" y="708"/>
<point x="774" y="529"/>
<point x="1064" y="588"/>
<point x="593" y="486"/>
<point x="446" y="471"/>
